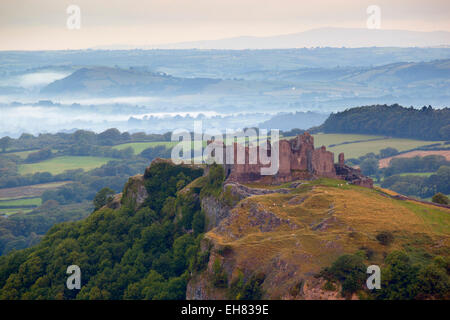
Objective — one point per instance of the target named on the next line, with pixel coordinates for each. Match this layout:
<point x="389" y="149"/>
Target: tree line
<point x="391" y="120"/>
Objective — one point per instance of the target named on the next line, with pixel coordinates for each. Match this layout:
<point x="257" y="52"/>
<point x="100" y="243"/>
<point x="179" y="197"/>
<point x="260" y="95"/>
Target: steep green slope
<point x="143" y="249"/>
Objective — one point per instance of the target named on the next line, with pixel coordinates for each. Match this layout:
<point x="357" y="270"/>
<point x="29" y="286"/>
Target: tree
<point x="198" y="222"/>
<point x="109" y="137"/>
<point x="440" y="198"/>
<point x="388" y="152"/>
<point x="156" y="152"/>
<point x="5" y="142"/>
<point x="40" y="155"/>
<point x="103" y="197"/>
<point x="369" y="166"/>
<point x="445" y="132"/>
<point x="349" y="270"/>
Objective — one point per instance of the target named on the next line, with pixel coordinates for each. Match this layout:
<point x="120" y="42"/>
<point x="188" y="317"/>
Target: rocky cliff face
<point x="134" y="192"/>
<point x="215" y="211"/>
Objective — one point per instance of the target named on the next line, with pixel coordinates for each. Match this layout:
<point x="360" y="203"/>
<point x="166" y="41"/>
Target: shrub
<point x="103" y="197"/>
<point x="220" y="279"/>
<point x="385" y="238"/>
<point x="349" y="270"/>
<point x="440" y="198"/>
<point x="329" y="286"/>
<point x="253" y="287"/>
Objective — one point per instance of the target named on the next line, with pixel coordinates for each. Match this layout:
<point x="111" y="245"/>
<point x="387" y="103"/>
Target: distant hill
<point x="426" y="123"/>
<point x="115" y="81"/>
<point x="399" y="73"/>
<point x="320" y="37"/>
<point x="403" y="73"/>
<point x="413" y="81"/>
<point x="288" y="121"/>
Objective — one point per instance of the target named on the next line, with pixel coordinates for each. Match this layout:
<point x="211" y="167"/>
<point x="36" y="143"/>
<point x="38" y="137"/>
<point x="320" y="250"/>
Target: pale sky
<point x="41" y="24"/>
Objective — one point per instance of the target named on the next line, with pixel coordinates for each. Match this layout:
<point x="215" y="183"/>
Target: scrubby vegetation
<point x="349" y="270"/>
<point x="401" y="279"/>
<point x="420" y="186"/>
<point x="440" y="198"/>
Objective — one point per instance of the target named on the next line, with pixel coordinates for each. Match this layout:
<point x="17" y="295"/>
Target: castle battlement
<point x="298" y="159"/>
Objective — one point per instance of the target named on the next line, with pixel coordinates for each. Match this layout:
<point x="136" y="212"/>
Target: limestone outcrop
<point x="134" y="193"/>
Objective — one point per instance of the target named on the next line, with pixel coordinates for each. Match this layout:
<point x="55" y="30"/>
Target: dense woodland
<point x="394" y="120"/>
<point x="23" y="230"/>
<point x="129" y="253"/>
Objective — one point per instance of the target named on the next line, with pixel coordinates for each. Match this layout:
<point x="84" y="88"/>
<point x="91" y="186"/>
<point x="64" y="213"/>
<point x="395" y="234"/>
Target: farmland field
<point x="421" y="174"/>
<point x="138" y="147"/>
<point x="8" y="212"/>
<point x="29" y="191"/>
<point x="60" y="164"/>
<point x="20" y="202"/>
<point x="355" y="150"/>
<point x="9" y="207"/>
<point x="327" y="139"/>
<point x="383" y="163"/>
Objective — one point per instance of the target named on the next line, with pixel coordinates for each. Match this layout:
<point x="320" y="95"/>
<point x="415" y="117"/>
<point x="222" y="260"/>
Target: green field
<point x="420" y="174"/>
<point x="60" y="164"/>
<point x="21" y="202"/>
<point x="323" y="139"/>
<point x="138" y="147"/>
<point x="8" y="212"/>
<point x="9" y="207"/>
<point x="358" y="149"/>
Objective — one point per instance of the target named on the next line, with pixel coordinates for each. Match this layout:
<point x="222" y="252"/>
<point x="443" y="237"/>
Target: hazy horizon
<point x="42" y="25"/>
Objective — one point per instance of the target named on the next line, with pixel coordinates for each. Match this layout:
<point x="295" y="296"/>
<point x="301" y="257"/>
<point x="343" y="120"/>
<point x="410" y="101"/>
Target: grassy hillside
<point x="60" y="164"/>
<point x="291" y="237"/>
<point x="355" y="150"/>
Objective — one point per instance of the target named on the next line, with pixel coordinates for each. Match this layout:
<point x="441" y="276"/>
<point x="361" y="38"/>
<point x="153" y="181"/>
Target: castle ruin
<point x="298" y="159"/>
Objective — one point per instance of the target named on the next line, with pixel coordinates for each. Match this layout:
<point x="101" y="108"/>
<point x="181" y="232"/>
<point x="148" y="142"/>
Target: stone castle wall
<point x="298" y="159"/>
